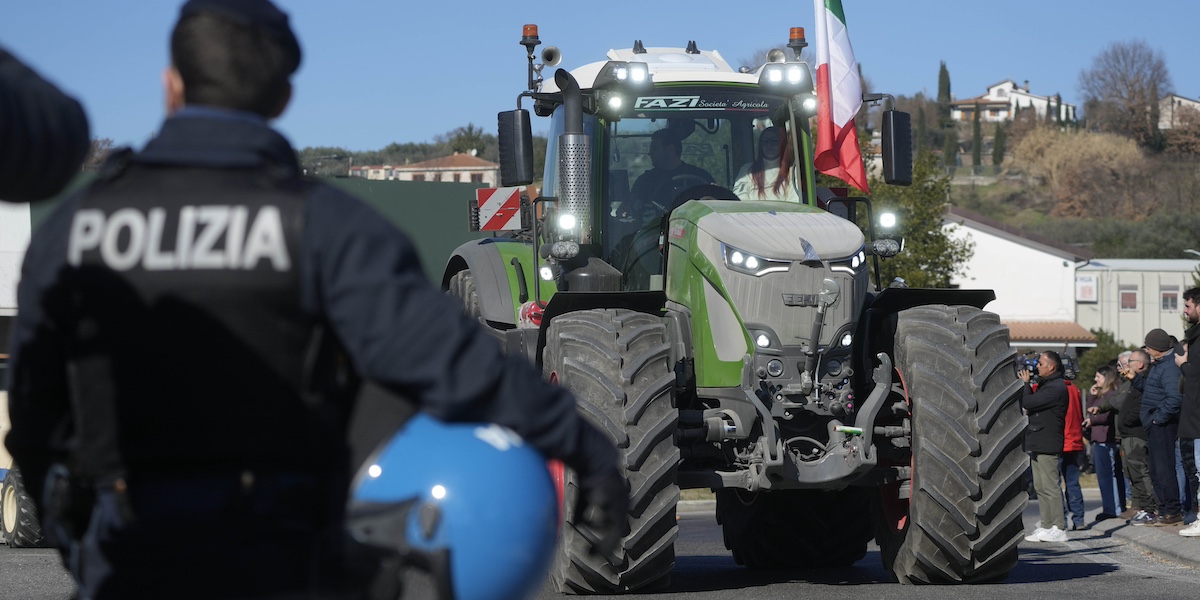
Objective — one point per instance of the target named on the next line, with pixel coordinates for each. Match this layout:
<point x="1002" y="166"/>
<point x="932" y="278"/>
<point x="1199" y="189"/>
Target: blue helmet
<point x="468" y="503"/>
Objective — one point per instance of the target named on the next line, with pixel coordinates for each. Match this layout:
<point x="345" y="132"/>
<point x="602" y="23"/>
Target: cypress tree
<point x="999" y="139"/>
<point x="950" y="148"/>
<point x="976" y="139"/>
<point x="943" y="99"/>
<point x="921" y="133"/>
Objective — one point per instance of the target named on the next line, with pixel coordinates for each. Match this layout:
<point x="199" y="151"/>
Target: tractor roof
<point x="665" y="65"/>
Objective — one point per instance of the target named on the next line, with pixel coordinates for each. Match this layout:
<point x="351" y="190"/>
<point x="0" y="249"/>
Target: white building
<point x="1174" y="108"/>
<point x="1002" y="99"/>
<point x="1033" y="277"/>
<point x="457" y="168"/>
<point x="1128" y="297"/>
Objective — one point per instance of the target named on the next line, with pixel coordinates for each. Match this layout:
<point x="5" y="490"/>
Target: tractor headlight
<point x="784" y="75"/>
<point x="621" y="74"/>
<point x="851" y="265"/>
<point x="745" y="262"/>
<point x="566" y="222"/>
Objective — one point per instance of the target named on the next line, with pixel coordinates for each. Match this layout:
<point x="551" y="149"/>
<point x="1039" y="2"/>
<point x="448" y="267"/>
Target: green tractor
<point x="740" y="345"/>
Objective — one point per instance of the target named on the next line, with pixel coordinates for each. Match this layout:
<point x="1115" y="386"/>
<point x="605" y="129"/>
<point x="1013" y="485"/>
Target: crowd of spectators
<point x="1142" y="423"/>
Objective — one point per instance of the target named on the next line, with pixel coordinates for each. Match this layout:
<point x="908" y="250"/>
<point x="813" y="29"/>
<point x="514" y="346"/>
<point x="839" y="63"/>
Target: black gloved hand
<point x="603" y="507"/>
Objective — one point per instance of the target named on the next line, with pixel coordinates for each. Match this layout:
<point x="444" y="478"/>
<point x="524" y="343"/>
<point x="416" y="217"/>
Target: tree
<point x="465" y="140"/>
<point x="1106" y="351"/>
<point x="950" y="148"/>
<point x="98" y="152"/>
<point x="976" y="138"/>
<point x="1087" y="173"/>
<point x="1183" y="137"/>
<point x="943" y="97"/>
<point x="930" y="257"/>
<point x="919" y="143"/>
<point x="1122" y="89"/>
<point x="999" y="141"/>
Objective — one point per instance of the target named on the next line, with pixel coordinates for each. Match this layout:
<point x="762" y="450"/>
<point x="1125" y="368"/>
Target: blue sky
<point x="383" y="71"/>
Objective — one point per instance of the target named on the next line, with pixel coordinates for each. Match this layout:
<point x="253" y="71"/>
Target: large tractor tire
<point x="962" y="521"/>
<point x="21" y="526"/>
<point x="617" y="363"/>
<point x="462" y="286"/>
<point x="791" y="529"/>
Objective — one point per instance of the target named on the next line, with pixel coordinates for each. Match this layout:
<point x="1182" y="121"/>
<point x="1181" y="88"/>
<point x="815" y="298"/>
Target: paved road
<point x="1095" y="564"/>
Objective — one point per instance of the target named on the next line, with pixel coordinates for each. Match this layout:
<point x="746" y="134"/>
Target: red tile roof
<point x="1062" y="332"/>
<point x="454" y="161"/>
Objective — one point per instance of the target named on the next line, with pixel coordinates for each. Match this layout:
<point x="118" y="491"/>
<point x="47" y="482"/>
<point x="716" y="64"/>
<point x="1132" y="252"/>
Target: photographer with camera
<point x="1044" y="439"/>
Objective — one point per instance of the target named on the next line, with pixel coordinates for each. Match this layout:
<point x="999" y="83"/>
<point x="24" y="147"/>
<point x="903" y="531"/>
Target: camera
<point x="1027" y="362"/>
<point x="1070" y="367"/>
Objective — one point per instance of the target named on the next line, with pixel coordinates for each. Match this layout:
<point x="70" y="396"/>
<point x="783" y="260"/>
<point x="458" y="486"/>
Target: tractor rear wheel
<point x="21" y="526"/>
<point x="790" y="529"/>
<point x="617" y="363"/>
<point x="962" y="521"/>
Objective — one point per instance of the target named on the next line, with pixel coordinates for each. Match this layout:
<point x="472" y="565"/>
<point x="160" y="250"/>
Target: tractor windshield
<point x="683" y="143"/>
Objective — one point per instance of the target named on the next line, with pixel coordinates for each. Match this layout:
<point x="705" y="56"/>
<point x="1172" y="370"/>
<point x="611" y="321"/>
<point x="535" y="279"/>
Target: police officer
<point x="45" y="134"/>
<point x="190" y="327"/>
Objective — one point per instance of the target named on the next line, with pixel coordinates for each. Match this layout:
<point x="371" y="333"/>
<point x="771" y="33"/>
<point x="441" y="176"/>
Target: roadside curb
<point x="696" y="506"/>
<point x="1163" y="541"/>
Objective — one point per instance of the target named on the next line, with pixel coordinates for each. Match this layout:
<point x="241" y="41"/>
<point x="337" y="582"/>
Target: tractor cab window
<point x="664" y="151"/>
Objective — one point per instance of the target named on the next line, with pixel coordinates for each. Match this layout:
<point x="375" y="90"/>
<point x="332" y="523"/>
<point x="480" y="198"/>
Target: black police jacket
<point x="1047" y="410"/>
<point x="1189" y="411"/>
<point x="169" y="316"/>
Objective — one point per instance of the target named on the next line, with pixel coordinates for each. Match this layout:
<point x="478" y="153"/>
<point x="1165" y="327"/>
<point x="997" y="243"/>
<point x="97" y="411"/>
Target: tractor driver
<point x="656" y="189"/>
<point x="183" y="393"/>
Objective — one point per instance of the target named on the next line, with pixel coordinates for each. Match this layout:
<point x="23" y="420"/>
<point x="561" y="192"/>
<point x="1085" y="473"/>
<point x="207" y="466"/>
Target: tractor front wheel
<point x="961" y="520"/>
<point x="617" y="363"/>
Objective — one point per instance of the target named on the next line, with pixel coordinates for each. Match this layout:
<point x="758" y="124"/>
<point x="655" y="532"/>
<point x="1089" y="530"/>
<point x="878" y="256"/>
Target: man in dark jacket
<point x="191" y="329"/>
<point x="1189" y="412"/>
<point x="1127" y="403"/>
<point x="1047" y="411"/>
<point x="1161" y="400"/>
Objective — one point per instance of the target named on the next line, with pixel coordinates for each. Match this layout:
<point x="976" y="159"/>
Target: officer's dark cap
<point x="261" y="14"/>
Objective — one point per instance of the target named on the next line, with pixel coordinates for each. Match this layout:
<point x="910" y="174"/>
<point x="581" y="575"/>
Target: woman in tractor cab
<point x="768" y="176"/>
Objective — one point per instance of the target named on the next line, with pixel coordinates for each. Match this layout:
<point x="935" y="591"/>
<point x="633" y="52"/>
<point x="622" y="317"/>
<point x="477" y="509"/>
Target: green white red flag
<point x="839" y="96"/>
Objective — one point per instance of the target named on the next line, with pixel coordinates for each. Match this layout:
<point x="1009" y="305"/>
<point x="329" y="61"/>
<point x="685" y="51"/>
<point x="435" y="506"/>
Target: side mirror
<point x="516" y="148"/>
<point x="897" y="148"/>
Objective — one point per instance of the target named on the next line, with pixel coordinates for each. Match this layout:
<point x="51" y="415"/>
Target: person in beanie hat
<point x="1161" y="399"/>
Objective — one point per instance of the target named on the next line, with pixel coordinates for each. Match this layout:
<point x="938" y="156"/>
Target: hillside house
<point x="1173" y="109"/>
<point x="1002" y="99"/>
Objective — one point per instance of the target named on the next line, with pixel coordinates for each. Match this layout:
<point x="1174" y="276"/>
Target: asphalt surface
<point x="1111" y="558"/>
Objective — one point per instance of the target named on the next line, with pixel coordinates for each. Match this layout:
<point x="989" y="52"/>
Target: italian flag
<point x="839" y="96"/>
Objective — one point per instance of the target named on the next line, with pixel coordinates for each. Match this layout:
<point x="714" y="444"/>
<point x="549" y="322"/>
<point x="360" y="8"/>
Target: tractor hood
<point x="776" y="230"/>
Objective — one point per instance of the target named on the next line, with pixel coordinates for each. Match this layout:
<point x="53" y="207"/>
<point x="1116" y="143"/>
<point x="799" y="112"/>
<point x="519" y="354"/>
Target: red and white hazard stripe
<point x="499" y="208"/>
